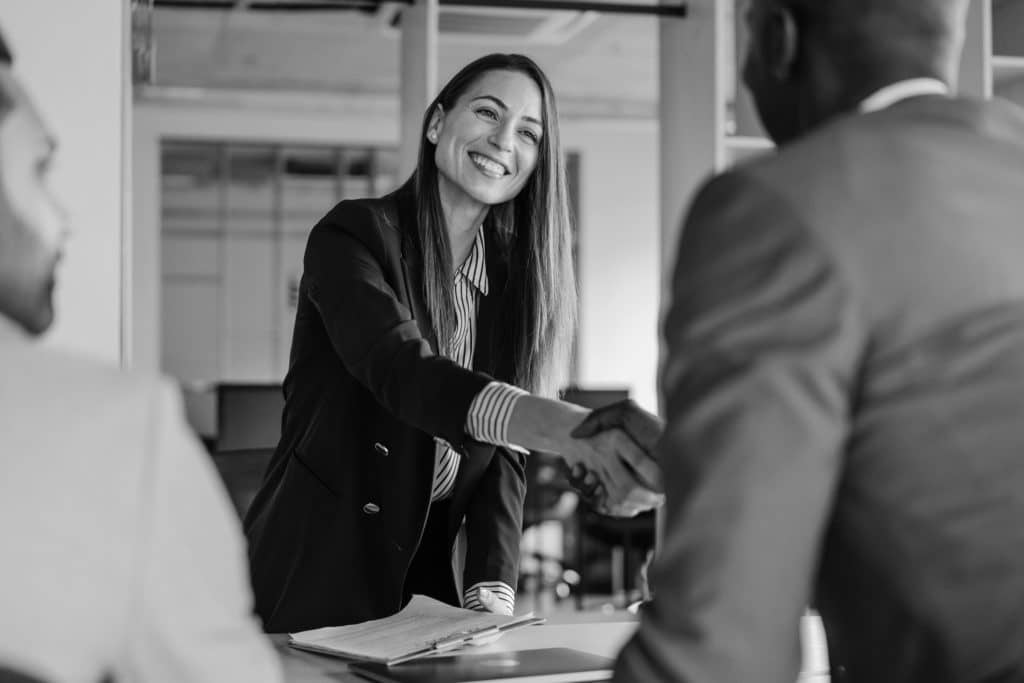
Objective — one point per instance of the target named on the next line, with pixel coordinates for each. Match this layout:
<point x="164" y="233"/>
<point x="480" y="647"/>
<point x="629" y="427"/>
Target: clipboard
<point x="422" y="628"/>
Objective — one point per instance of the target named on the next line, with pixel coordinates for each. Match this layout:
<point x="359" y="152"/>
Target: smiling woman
<point x="430" y="325"/>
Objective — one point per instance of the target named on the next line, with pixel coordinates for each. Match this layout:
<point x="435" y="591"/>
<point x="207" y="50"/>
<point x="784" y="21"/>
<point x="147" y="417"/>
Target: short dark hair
<point x="864" y="34"/>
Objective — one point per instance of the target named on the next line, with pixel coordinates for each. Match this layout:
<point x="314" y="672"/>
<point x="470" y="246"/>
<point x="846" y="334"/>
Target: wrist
<point x="541" y="424"/>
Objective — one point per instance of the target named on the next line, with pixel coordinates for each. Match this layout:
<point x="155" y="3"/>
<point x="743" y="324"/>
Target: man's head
<point x="809" y="60"/>
<point x="32" y="225"/>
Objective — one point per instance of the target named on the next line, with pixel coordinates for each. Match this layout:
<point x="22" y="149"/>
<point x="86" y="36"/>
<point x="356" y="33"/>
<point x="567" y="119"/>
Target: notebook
<point x="549" y="665"/>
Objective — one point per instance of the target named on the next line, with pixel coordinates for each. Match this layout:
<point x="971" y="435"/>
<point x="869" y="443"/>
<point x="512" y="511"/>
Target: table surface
<point x="596" y="635"/>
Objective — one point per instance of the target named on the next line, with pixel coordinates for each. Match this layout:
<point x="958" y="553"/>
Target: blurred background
<point x="214" y="133"/>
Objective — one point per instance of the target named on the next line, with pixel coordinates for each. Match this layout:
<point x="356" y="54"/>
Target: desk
<point x="601" y="638"/>
<point x="588" y="633"/>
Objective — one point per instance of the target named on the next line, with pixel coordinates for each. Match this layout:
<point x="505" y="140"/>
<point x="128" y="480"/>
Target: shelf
<point x="747" y="143"/>
<point x="1007" y="68"/>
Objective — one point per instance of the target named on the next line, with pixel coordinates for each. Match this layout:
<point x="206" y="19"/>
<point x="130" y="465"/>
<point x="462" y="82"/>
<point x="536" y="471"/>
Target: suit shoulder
<point x="369" y="220"/>
<point x="75" y="370"/>
<point x="96" y="399"/>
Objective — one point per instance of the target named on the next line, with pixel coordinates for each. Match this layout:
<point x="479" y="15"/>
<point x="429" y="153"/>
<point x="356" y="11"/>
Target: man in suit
<point x="121" y="556"/>
<point x="845" y="370"/>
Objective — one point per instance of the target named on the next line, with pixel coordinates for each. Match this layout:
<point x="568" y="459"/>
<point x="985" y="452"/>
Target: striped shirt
<point x="490" y="410"/>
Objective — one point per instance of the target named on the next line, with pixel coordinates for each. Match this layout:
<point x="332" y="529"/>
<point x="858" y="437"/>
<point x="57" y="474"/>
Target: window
<point x="233" y="228"/>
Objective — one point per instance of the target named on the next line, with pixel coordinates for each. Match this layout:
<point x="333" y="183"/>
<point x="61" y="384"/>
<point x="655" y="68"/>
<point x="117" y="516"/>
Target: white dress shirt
<point x="490" y="410"/>
<point x="902" y="90"/>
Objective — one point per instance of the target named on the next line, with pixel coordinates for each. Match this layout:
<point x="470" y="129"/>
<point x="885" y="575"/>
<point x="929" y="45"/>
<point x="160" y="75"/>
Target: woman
<point x="419" y="315"/>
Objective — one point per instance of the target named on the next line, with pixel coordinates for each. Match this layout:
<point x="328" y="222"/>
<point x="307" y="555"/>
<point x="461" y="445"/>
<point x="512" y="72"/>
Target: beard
<point x="26" y="292"/>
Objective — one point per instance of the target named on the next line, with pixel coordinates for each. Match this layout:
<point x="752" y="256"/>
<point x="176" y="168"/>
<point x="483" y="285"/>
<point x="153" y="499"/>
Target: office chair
<point x="627" y="540"/>
<point x="248" y="429"/>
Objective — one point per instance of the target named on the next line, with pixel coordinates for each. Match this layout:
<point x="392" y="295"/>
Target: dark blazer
<point x="346" y="495"/>
<point x="844" y="390"/>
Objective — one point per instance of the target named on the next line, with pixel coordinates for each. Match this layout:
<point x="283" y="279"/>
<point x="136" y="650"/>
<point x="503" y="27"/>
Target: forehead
<point x="514" y="88"/>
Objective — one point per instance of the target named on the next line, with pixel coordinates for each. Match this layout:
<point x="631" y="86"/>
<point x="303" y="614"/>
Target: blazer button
<point x="371" y="508"/>
<point x="380" y="448"/>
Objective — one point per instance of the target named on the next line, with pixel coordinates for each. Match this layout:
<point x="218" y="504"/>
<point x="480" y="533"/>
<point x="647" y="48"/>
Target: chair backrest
<point x="242" y="472"/>
<point x="12" y="676"/>
<point x="248" y="416"/>
<point x="594" y="398"/>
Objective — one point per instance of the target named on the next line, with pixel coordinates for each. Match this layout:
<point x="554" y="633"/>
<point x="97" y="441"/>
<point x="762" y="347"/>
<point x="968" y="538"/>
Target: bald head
<point x="819" y="58"/>
<point x="922" y="36"/>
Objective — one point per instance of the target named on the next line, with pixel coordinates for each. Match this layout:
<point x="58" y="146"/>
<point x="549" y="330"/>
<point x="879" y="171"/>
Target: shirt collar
<point x="902" y="90"/>
<point x="474" y="268"/>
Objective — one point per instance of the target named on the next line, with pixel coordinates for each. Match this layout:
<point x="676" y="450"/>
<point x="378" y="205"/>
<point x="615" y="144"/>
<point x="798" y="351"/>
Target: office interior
<point x="201" y="139"/>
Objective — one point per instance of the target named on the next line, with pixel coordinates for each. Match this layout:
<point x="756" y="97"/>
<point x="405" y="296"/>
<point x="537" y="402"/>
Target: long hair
<point x="533" y="228"/>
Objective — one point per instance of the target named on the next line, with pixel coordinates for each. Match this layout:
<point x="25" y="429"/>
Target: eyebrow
<point x="505" y="107"/>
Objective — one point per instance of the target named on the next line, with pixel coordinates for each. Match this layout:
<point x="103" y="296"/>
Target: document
<point x="424" y="627"/>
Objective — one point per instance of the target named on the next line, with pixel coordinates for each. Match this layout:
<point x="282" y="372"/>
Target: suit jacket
<point x="343" y="507"/>
<point x="844" y="389"/>
<point x="121" y="554"/>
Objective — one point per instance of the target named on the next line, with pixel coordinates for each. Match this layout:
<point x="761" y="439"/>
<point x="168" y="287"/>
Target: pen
<point x="465" y="638"/>
<point x="446" y="644"/>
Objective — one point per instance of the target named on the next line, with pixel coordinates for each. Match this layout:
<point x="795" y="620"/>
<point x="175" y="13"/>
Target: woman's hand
<point x="618" y="476"/>
<point x="644" y="429"/>
<point x="630" y="479"/>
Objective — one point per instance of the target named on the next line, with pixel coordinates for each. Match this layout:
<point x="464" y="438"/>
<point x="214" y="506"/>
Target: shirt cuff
<point x="504" y="597"/>
<point x="490" y="412"/>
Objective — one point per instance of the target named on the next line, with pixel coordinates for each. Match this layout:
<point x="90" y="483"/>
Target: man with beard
<point x="121" y="556"/>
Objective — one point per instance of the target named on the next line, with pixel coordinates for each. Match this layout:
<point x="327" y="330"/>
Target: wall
<point x="72" y="57"/>
<point x="619" y="256"/>
<point x="618" y="214"/>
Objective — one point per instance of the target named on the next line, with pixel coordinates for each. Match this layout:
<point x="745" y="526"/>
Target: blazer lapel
<point x="487" y="357"/>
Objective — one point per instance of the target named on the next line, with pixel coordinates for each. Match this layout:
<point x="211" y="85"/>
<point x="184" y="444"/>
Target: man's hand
<point x="644" y="430"/>
<point x="643" y="427"/>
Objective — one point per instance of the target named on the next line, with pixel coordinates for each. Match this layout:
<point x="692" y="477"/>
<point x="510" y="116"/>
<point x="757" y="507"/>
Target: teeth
<point x="488" y="166"/>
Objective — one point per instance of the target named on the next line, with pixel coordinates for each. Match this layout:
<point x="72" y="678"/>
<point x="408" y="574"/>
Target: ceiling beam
<point x="679" y="9"/>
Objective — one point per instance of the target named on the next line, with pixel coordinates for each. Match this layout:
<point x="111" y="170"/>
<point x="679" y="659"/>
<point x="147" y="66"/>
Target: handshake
<point x="613" y="467"/>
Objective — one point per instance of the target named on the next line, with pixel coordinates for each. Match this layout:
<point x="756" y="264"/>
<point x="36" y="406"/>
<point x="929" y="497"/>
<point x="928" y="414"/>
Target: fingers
<point x="487" y="599"/>
<point x="612" y="450"/>
<point x="604" y="418"/>
<point x="646" y="470"/>
<point x="605" y="474"/>
<point x="644" y="428"/>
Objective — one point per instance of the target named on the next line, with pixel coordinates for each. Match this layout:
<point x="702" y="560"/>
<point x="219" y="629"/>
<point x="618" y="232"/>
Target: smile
<point x="489" y="167"/>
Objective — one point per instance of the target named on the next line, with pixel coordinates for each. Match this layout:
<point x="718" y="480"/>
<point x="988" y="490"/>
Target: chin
<point x="39" y="318"/>
<point x="491" y="195"/>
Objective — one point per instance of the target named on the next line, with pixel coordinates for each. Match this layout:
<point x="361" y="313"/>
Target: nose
<point x="502" y="136"/>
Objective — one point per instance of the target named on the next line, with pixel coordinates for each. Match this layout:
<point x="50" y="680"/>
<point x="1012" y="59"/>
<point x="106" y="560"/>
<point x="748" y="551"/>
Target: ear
<point x="780" y="43"/>
<point x="436" y="124"/>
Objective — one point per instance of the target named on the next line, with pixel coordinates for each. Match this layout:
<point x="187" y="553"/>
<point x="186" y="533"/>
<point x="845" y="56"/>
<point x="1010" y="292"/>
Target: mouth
<point x="488" y="166"/>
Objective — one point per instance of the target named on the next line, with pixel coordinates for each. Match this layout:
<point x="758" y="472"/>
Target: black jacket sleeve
<point x="353" y="269"/>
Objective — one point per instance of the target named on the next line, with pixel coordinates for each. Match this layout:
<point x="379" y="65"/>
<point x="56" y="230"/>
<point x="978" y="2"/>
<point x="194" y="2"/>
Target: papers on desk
<point x="424" y="627"/>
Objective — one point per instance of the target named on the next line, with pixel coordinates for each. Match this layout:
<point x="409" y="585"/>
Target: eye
<point x="487" y="113"/>
<point x="530" y="135"/>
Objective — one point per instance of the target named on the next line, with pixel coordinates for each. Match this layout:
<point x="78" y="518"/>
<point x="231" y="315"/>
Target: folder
<point x="549" y="665"/>
<point x="422" y="628"/>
